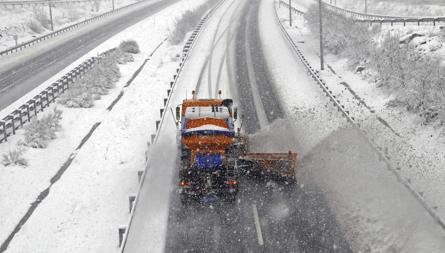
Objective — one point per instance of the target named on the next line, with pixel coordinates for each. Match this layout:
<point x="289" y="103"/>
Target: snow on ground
<point x="24" y="21"/>
<point x="414" y="150"/>
<point x="376" y="212"/>
<point x="106" y="165"/>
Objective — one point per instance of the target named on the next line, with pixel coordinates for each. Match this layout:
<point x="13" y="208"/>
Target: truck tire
<point x="185" y="199"/>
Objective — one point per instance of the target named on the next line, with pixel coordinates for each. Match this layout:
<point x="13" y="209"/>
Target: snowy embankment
<point x="414" y="147"/>
<point x="374" y="210"/>
<point x="84" y="209"/>
<point x="29" y="22"/>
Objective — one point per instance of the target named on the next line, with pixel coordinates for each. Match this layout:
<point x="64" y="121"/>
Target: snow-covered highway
<point x="346" y="198"/>
<point x="332" y="210"/>
<point x="23" y="71"/>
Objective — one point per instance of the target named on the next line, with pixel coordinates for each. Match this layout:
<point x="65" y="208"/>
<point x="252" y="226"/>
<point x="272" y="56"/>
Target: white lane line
<point x="257" y="225"/>
<point x="261" y="113"/>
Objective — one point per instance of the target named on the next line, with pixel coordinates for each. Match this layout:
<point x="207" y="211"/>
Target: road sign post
<point x="51" y="15"/>
<point x="290" y="13"/>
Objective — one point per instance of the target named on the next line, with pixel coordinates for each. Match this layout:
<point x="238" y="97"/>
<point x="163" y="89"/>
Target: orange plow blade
<point x="283" y="165"/>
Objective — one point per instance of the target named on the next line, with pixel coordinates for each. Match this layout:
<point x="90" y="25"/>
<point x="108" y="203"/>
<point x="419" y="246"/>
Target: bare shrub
<point x="41" y="15"/>
<point x="188" y="21"/>
<point x="39" y="132"/>
<point x="35" y="26"/>
<point x="73" y="14"/>
<point x="129" y="46"/>
<point x="96" y="4"/>
<point x="14" y="157"/>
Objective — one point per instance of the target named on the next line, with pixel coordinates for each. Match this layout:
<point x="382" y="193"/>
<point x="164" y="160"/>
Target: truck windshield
<point x="219" y="112"/>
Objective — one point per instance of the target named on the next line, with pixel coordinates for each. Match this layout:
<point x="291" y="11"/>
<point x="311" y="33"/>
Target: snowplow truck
<point x="213" y="154"/>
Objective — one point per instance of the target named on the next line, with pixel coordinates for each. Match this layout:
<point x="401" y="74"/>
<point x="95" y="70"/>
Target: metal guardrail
<point x="60" y="31"/>
<point x="315" y="75"/>
<point x="376" y="19"/>
<point x="383" y="19"/>
<point x="42" y="2"/>
<point x="27" y="111"/>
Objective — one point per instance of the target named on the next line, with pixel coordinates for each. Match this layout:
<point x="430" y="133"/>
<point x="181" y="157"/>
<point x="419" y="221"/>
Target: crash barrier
<point x="27" y="111"/>
<point x="316" y="76"/>
<point x="41" y="2"/>
<point x="123" y="231"/>
<point x="376" y="19"/>
<point x="60" y="31"/>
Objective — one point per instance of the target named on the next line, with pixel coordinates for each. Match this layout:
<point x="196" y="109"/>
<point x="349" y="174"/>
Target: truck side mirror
<point x="178" y="113"/>
<point x="235" y="113"/>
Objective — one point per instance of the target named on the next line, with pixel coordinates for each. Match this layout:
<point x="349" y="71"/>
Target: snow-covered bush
<point x="96" y="82"/>
<point x="77" y="96"/>
<point x="14" y="157"/>
<point x="188" y="21"/>
<point x="73" y="14"/>
<point x="39" y="132"/>
<point x="129" y="46"/>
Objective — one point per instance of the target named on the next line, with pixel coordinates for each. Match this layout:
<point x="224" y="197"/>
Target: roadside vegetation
<point x="39" y="132"/>
<point x="188" y="21"/>
<point x="415" y="79"/>
<point x="14" y="157"/>
<point x="99" y="80"/>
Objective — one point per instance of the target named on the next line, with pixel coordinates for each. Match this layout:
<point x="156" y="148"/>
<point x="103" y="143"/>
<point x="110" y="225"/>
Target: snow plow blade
<point x="279" y="165"/>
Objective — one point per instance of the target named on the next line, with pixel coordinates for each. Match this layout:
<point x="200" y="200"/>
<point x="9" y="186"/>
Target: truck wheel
<point x="185" y="199"/>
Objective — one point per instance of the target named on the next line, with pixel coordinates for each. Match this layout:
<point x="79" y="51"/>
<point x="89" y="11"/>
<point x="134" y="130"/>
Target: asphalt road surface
<point x="22" y="76"/>
<point x="268" y="216"/>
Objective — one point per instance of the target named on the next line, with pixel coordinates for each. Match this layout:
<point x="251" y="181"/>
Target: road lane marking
<point x="257" y="225"/>
<point x="259" y="107"/>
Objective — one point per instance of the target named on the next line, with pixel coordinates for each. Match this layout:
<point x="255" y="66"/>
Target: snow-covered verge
<point x="414" y="142"/>
<point x="83" y="209"/>
<point x="28" y="22"/>
<point x="375" y="211"/>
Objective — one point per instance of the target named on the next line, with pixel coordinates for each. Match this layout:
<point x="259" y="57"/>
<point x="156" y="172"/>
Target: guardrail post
<point x="19" y="112"/>
<point x="153" y="136"/>
<point x="140" y="173"/>
<point x="158" y="122"/>
<point x="131" y="200"/>
<point x="33" y="101"/>
<point x="161" y="111"/>
<point x="27" y="111"/>
<point x="121" y="232"/>
<point x="5" y="134"/>
<point x="12" y="123"/>
<point x="51" y="92"/>
<point x="165" y="101"/>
